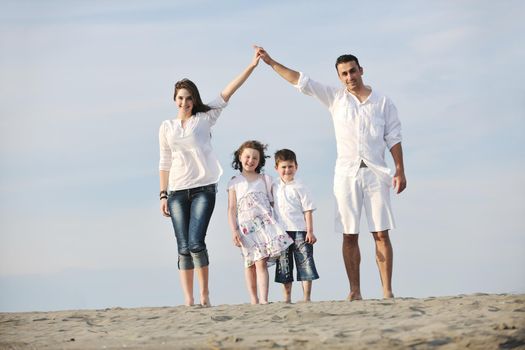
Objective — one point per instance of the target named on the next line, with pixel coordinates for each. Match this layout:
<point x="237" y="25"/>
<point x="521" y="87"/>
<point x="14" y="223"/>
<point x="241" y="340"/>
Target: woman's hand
<point x="256" y="57"/>
<point x="236" y="83"/>
<point x="164" y="208"/>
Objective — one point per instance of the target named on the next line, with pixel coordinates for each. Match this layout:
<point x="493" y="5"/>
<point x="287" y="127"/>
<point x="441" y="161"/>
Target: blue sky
<point x="85" y="85"/>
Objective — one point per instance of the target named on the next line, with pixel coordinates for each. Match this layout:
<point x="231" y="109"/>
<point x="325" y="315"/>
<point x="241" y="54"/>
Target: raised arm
<point x="236" y="83"/>
<point x="288" y="74"/>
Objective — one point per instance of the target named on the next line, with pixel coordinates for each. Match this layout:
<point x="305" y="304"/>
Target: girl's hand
<point x="236" y="239"/>
<point x="310" y="238"/>
<point x="164" y="208"/>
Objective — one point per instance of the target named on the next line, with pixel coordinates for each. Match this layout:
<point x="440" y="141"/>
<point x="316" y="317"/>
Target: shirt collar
<point x="369" y="98"/>
<point x="286" y="183"/>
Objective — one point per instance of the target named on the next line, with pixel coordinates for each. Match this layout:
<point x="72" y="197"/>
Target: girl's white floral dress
<point x="261" y="235"/>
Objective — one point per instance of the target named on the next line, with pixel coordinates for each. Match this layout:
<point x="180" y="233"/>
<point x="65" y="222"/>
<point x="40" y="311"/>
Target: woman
<point x="189" y="173"/>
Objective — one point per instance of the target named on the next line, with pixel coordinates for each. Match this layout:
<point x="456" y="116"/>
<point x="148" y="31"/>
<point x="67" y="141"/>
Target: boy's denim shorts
<point x="303" y="254"/>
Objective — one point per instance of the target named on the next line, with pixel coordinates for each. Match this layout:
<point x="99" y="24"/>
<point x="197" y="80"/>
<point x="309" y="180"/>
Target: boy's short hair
<point x="284" y="155"/>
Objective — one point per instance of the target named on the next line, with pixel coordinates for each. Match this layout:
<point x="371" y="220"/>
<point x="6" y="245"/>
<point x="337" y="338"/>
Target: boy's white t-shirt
<point x="291" y="200"/>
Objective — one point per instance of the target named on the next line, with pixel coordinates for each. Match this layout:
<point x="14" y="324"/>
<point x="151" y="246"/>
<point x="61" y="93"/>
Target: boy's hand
<point x="310" y="238"/>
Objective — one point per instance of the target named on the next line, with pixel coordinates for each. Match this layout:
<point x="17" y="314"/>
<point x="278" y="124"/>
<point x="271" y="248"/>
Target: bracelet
<point x="163" y="197"/>
<point x="163" y="192"/>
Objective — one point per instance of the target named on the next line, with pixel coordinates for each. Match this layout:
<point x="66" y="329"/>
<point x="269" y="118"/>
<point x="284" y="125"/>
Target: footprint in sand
<point x="221" y="318"/>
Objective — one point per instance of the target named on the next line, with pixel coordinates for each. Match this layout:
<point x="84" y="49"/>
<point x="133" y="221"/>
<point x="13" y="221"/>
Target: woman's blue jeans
<point x="190" y="212"/>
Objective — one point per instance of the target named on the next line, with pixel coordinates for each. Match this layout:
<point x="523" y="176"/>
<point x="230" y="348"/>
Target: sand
<point x="479" y="321"/>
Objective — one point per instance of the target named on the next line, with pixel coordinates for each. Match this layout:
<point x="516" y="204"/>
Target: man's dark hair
<point x="346" y="58"/>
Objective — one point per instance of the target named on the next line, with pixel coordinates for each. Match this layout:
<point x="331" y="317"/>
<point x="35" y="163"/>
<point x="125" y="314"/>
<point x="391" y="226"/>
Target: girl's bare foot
<point x="205" y="301"/>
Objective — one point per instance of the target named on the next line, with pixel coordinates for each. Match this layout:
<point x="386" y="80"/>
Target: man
<point x="365" y="123"/>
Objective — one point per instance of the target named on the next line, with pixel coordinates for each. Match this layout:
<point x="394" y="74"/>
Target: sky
<point x="85" y="86"/>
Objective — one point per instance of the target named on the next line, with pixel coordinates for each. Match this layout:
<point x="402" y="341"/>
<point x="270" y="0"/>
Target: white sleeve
<point x="165" y="150"/>
<point x="307" y="202"/>
<point x="325" y="94"/>
<point x="216" y="106"/>
<point x="392" y="125"/>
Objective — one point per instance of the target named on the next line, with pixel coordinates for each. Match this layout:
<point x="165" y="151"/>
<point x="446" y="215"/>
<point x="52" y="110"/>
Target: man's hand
<point x="263" y="55"/>
<point x="399" y="182"/>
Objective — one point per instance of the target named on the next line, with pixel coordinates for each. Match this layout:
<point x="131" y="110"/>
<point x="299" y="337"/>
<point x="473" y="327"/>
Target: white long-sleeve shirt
<point x="187" y="152"/>
<point x="363" y="130"/>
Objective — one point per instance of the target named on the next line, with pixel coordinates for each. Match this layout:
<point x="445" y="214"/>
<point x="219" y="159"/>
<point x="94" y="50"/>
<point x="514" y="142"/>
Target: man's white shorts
<point x="365" y="189"/>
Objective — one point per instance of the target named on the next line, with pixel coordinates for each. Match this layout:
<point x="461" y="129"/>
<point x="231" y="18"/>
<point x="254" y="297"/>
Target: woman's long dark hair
<point x="187" y="84"/>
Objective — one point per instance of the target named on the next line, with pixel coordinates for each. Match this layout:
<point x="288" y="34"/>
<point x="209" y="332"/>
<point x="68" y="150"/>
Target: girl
<point x="189" y="173"/>
<point x="253" y="227"/>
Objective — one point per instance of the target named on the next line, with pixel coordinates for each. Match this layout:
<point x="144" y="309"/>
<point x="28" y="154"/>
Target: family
<point x="271" y="221"/>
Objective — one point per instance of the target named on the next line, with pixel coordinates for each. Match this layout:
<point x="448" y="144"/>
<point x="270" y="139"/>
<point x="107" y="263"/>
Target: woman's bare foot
<point x="388" y="295"/>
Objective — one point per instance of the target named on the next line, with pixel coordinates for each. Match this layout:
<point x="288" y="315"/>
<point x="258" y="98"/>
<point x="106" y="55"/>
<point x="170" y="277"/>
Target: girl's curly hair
<point x="236" y="164"/>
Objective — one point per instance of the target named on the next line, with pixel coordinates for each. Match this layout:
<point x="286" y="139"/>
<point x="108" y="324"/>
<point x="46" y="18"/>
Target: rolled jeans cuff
<point x="185" y="262"/>
<point x="200" y="259"/>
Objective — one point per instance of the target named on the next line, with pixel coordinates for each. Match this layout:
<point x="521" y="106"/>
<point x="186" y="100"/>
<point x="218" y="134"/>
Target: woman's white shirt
<point x="186" y="152"/>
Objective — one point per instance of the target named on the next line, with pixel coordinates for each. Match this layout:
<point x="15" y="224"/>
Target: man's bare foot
<point x="354" y="296"/>
<point x="263" y="302"/>
<point x="189" y="302"/>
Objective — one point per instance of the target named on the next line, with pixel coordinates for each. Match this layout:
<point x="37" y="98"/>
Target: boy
<point x="293" y="210"/>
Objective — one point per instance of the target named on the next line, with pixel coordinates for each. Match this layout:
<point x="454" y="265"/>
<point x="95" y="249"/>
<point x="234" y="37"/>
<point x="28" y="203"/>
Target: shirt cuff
<point x="218" y="103"/>
<point x="302" y="81"/>
<point x="164" y="167"/>
<point x="392" y="142"/>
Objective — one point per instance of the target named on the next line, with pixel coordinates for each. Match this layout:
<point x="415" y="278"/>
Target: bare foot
<point x="205" y="302"/>
<point x="388" y="295"/>
<point x="354" y="296"/>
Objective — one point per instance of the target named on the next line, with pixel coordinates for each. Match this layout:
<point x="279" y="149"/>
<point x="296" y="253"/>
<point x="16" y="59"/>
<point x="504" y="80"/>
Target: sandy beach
<point x="479" y="321"/>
